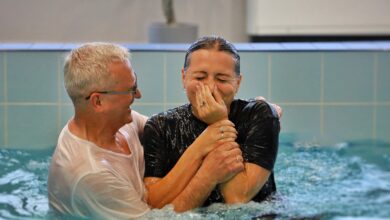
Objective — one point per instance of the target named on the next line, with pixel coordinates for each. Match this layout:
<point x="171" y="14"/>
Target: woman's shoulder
<point x="252" y="107"/>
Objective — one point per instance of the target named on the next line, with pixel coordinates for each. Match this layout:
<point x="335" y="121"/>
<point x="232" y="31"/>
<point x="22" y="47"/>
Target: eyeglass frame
<point x="131" y="91"/>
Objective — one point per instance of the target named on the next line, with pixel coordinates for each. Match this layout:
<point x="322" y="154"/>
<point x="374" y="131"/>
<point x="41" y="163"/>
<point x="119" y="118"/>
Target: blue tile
<point x="2" y="130"/>
<point x="150" y="70"/>
<point x="296" y="77"/>
<point x="383" y="123"/>
<point x="32" y="76"/>
<point x="348" y="77"/>
<point x="348" y="123"/>
<point x="301" y="121"/>
<point x="32" y="126"/>
<point x="2" y="76"/>
<point x="383" y="77"/>
<point x="67" y="112"/>
<point x="148" y="110"/>
<point x="63" y="94"/>
<point x="174" y="64"/>
<point x="254" y="70"/>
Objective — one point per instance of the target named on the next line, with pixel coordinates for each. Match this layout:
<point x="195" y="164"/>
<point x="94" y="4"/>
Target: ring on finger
<point x="202" y="104"/>
<point x="221" y="129"/>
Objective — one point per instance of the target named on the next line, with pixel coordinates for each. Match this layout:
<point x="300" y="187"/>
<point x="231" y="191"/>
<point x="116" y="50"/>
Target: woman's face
<point x="214" y="69"/>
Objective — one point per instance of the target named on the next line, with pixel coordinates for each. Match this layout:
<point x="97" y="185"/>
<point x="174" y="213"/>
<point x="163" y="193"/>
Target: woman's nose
<point x="210" y="83"/>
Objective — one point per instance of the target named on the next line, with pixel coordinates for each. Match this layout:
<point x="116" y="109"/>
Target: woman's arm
<point x="164" y="190"/>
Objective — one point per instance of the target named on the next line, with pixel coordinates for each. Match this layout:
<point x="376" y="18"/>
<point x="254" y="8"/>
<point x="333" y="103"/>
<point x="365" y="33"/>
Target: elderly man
<point x="98" y="165"/>
<point x="211" y="78"/>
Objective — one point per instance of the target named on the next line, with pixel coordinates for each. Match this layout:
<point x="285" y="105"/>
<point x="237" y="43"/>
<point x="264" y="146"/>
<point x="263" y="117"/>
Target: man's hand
<point x="277" y="108"/>
<point x="223" y="163"/>
<point x="209" y="106"/>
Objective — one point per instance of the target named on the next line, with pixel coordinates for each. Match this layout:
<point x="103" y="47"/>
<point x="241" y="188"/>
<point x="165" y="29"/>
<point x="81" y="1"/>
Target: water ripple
<point x="346" y="181"/>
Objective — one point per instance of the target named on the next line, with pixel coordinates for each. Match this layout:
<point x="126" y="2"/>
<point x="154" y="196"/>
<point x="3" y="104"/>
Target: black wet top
<point x="168" y="134"/>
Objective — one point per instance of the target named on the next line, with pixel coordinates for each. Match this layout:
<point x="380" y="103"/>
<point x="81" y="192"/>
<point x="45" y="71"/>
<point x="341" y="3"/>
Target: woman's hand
<point x="209" y="106"/>
<point x="223" y="163"/>
<point x="215" y="135"/>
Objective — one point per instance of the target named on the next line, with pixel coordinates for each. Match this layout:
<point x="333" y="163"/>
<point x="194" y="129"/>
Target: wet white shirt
<point x="88" y="181"/>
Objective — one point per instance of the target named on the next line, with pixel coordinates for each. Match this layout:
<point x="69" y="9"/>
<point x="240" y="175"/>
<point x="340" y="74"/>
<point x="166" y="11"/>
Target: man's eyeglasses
<point x="131" y="91"/>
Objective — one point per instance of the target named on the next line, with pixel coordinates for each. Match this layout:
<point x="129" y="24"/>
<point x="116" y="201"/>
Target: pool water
<point x="344" y="181"/>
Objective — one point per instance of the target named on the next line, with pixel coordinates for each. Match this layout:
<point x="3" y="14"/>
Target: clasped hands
<point x="222" y="157"/>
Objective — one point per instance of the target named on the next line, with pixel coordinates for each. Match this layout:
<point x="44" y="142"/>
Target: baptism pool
<point x="344" y="181"/>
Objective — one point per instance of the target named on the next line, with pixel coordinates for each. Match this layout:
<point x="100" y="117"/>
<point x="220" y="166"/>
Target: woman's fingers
<point x="201" y="103"/>
<point x="218" y="97"/>
<point x="207" y="94"/>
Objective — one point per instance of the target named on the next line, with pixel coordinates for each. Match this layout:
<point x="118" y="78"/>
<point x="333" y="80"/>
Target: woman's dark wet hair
<point x="213" y="42"/>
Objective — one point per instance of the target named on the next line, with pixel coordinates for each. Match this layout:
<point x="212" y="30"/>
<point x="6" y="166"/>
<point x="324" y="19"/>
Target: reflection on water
<point x="345" y="181"/>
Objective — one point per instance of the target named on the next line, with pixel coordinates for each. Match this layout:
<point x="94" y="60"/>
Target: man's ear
<point x="96" y="102"/>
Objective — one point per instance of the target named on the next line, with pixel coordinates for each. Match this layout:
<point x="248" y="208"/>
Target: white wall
<point x="318" y="17"/>
<point x="113" y="20"/>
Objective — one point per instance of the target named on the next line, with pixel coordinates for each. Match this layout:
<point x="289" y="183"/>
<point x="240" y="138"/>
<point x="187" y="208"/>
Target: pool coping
<point x="290" y="46"/>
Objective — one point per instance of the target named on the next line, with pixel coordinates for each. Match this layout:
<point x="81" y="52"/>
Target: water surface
<point x="345" y="181"/>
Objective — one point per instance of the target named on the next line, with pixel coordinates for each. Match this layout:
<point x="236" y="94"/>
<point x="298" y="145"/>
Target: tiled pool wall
<point x="327" y="96"/>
